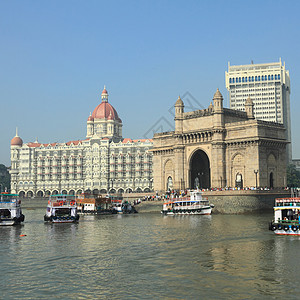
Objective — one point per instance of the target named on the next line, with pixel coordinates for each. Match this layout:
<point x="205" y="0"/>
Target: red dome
<point x="16" y="141"/>
<point x="90" y="118"/>
<point x="105" y="110"/>
<point x="104" y="91"/>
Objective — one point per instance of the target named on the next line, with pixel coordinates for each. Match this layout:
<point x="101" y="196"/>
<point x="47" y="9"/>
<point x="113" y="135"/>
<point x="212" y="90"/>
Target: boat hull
<point x="8" y="223"/>
<point x="288" y="232"/>
<point x="204" y="211"/>
<point x="61" y="219"/>
<point x="11" y="222"/>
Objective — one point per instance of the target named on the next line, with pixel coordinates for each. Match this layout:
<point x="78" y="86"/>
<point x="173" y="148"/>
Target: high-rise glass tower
<point x="268" y="86"/>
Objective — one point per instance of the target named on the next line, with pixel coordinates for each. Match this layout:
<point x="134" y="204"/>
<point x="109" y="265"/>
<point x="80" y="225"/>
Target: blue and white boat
<point x="193" y="205"/>
<point x="10" y="210"/>
<point x="286" y="216"/>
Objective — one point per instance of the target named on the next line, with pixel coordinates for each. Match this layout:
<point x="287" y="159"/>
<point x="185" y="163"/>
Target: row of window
<point x="254" y="78"/>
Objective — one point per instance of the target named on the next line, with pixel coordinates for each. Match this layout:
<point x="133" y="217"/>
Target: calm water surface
<point x="147" y="256"/>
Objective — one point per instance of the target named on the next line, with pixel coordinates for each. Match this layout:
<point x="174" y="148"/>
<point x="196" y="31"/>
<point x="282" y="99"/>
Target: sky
<point x="56" y="57"/>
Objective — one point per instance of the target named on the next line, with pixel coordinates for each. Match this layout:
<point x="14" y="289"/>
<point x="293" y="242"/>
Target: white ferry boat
<point x="10" y="210"/>
<point x="61" y="209"/>
<point x="193" y="205"/>
<point x="286" y="216"/>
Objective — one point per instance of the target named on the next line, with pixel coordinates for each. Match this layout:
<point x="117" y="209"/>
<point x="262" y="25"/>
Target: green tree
<point x="4" y="178"/>
<point x="293" y="176"/>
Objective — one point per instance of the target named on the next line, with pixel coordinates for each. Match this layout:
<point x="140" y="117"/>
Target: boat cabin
<point x="287" y="209"/>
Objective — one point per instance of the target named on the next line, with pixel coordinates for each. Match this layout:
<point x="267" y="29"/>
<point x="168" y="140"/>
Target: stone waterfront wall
<point x="243" y="202"/>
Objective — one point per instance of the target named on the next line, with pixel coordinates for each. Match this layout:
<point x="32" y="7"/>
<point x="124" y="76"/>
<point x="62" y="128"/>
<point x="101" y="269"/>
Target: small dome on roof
<point x="104" y="91"/>
<point x="90" y="118"/>
<point x="16" y="141"/>
<point x="218" y="95"/>
<point x="179" y="101"/>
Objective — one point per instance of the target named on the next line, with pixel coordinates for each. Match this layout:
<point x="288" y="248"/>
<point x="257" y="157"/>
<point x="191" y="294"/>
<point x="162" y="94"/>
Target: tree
<point x="4" y="178"/>
<point x="293" y="176"/>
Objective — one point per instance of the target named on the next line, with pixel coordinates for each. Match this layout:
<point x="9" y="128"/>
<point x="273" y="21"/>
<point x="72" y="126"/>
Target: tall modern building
<point x="268" y="86"/>
<point x="104" y="162"/>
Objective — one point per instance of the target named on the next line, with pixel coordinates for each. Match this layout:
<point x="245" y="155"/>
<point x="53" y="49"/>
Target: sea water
<point x="147" y="256"/>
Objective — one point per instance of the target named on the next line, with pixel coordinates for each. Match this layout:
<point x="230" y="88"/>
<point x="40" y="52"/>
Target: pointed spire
<point x="16" y="131"/>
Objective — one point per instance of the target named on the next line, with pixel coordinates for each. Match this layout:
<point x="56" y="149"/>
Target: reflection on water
<point x="147" y="256"/>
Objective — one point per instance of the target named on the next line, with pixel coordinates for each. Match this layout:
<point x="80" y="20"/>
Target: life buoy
<point x="279" y="227"/>
<point x="286" y="227"/>
<point x="72" y="202"/>
<point x="294" y="228"/>
<point x="274" y="227"/>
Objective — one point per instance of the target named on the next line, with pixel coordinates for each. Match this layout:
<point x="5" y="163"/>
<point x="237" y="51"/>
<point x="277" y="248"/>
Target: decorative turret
<point x="90" y="126"/>
<point x="249" y="108"/>
<point x="179" y="107"/>
<point x="179" y="110"/>
<point x="218" y="102"/>
<point x="104" y="95"/>
<point x="16" y="141"/>
<point x="218" y="110"/>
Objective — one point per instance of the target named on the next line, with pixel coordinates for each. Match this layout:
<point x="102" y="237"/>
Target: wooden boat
<point x="94" y="204"/>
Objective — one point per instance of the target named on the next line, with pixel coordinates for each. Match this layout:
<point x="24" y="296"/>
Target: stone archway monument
<point x="210" y="146"/>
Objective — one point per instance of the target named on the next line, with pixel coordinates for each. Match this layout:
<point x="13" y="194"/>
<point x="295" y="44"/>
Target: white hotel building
<point x="104" y="162"/>
<point x="268" y="86"/>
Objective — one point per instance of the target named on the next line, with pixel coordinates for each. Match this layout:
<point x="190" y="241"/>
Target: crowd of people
<point x="171" y="194"/>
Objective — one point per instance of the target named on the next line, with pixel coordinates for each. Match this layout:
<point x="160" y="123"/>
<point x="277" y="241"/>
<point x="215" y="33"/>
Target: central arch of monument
<point x="199" y="174"/>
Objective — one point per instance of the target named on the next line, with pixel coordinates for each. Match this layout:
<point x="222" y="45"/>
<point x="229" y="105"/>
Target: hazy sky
<point x="56" y="56"/>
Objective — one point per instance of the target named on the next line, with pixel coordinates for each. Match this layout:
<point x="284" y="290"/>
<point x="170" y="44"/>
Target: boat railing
<point x="292" y="222"/>
<point x="195" y="206"/>
<point x="62" y="203"/>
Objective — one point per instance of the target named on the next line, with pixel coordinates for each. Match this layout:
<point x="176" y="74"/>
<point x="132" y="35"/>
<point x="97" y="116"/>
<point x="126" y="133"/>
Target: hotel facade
<point x="104" y="162"/>
<point x="268" y="86"/>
